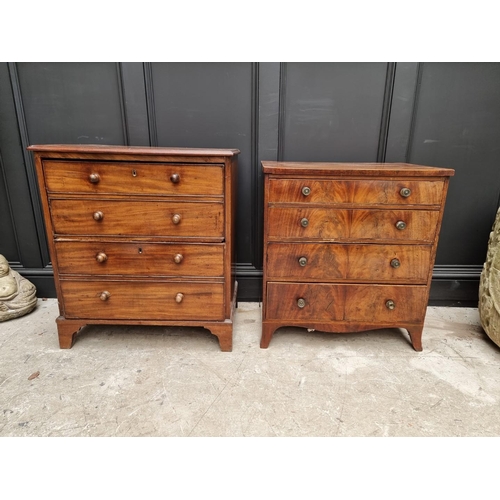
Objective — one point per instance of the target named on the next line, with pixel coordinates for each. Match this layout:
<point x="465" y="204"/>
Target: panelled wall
<point x="442" y="114"/>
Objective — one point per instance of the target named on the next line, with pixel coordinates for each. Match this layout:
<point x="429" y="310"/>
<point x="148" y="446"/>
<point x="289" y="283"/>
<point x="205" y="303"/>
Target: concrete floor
<point x="155" y="381"/>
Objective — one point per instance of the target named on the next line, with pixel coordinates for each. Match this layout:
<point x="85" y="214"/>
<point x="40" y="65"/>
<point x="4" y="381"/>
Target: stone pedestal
<point x="17" y="294"/>
<point x="489" y="286"/>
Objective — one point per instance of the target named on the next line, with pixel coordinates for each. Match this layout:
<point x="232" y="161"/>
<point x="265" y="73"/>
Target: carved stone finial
<point x="489" y="286"/>
<point x="17" y="294"/>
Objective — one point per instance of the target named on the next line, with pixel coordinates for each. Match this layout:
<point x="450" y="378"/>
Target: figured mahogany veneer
<point x="140" y="235"/>
<point x="350" y="246"/>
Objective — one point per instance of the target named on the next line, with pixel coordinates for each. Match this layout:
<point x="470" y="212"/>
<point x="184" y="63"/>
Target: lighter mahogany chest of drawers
<point x="140" y="235"/>
<point x="350" y="247"/>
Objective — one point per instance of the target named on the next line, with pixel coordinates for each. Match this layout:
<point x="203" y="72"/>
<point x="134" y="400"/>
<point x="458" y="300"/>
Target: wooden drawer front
<point x="146" y="218"/>
<point x="371" y="304"/>
<point x="391" y="263"/>
<point x="133" y="178"/>
<point x="323" y="223"/>
<point x="146" y="259"/>
<point x="364" y="192"/>
<point x="302" y="261"/>
<point x="331" y="224"/>
<point x="419" y="225"/>
<point x="331" y="261"/>
<point x="321" y="302"/>
<point x="308" y="191"/>
<point x="136" y="300"/>
<point x="356" y="303"/>
<point x="397" y="192"/>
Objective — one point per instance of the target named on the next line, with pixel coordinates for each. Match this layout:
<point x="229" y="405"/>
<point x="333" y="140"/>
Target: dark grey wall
<point x="443" y="114"/>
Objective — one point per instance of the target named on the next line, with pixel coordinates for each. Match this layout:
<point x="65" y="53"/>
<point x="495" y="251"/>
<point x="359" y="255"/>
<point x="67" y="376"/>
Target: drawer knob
<point x="98" y="215"/>
<point x="178" y="258"/>
<point x="302" y="261"/>
<point x="301" y="303"/>
<point x="101" y="257"/>
<point x="175" y="178"/>
<point x="390" y="305"/>
<point x="304" y="222"/>
<point x="405" y="192"/>
<point x="176" y="218"/>
<point x="306" y="191"/>
<point x="395" y="263"/>
<point x="94" y="178"/>
<point x="104" y="296"/>
<point x="401" y="225"/>
<point x="179" y="297"/>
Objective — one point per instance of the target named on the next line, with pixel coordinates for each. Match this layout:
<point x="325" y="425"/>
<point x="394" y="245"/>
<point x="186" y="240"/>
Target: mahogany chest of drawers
<point x="140" y="235"/>
<point x="350" y="247"/>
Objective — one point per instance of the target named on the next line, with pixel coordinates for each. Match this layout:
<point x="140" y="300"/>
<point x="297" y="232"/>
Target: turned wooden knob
<point x="176" y="218"/>
<point x="98" y="215"/>
<point x="179" y="297"/>
<point x="101" y="257"/>
<point x="178" y="258"/>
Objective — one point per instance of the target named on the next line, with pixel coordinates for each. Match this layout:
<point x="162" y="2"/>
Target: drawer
<point x="401" y="225"/>
<point x="385" y="303"/>
<point x="331" y="261"/>
<point x="141" y="218"/>
<point x="147" y="300"/>
<point x="133" y="178"/>
<point x="308" y="191"/>
<point x="362" y="192"/>
<point x="391" y="263"/>
<point x="317" y="302"/>
<point x="304" y="261"/>
<point x="297" y="301"/>
<point x="397" y="192"/>
<point x="146" y="259"/>
<point x="318" y="223"/>
<point x="357" y="225"/>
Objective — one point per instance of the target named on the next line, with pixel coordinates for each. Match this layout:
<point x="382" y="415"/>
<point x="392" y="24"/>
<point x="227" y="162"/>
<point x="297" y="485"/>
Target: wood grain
<point x="135" y="300"/>
<point x="135" y="178"/>
<point x="323" y="302"/>
<point x="365" y="263"/>
<point x="323" y="223"/>
<point x="368" y="303"/>
<point x="329" y="169"/>
<point x="380" y="225"/>
<point x="140" y="259"/>
<point x="147" y="218"/>
<point x="362" y="192"/>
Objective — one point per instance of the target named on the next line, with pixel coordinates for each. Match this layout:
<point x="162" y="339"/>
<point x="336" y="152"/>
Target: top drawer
<point x="359" y="192"/>
<point x="133" y="178"/>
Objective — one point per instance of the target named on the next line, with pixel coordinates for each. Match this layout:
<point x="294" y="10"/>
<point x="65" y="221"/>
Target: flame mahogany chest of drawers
<point x="140" y="235"/>
<point x="350" y="247"/>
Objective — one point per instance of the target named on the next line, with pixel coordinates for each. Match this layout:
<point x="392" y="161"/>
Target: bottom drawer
<point x="353" y="303"/>
<point x="142" y="300"/>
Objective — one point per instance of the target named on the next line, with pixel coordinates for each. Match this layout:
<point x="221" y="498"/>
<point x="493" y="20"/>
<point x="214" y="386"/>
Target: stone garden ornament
<point x="489" y="286"/>
<point x="17" y="294"/>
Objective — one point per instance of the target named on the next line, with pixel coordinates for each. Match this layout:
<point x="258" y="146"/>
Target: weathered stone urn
<point x="489" y="286"/>
<point x="17" y="294"/>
